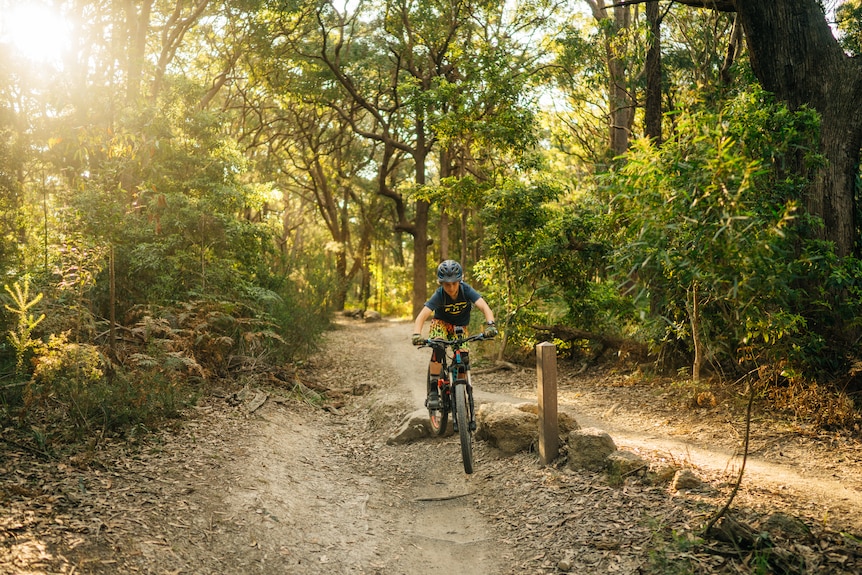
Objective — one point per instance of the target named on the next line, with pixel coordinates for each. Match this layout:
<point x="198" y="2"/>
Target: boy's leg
<point x="437" y="329"/>
<point x="433" y="399"/>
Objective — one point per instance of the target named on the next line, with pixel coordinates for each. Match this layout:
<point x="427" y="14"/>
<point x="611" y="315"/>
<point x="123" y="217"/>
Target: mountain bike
<point x="456" y="393"/>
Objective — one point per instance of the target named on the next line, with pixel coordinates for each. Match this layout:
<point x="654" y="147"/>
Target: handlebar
<point x="453" y="343"/>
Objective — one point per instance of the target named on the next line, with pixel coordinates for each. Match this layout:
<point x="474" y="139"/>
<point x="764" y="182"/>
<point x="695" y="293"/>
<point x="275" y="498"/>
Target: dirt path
<point x="827" y="479"/>
<point x="321" y="502"/>
<point x="289" y="488"/>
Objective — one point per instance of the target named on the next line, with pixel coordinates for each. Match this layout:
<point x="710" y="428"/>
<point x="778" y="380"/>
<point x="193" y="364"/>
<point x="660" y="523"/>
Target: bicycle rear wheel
<point x="439" y="418"/>
<point x="462" y="416"/>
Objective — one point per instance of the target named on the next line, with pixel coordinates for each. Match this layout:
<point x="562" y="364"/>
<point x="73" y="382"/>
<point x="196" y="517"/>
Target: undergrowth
<point x="160" y="362"/>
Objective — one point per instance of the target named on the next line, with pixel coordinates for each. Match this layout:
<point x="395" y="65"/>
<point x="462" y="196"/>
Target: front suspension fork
<point x="470" y="400"/>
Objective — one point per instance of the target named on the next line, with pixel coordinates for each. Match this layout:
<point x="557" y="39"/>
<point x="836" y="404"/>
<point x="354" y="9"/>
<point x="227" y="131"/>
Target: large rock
<point x="589" y="449"/>
<point x="507" y="427"/>
<point x="625" y="463"/>
<point x="414" y="426"/>
<point x="565" y="420"/>
<point x="512" y="428"/>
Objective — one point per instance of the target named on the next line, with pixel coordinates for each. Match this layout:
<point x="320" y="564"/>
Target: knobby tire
<point x="462" y="416"/>
<point x="439" y="418"/>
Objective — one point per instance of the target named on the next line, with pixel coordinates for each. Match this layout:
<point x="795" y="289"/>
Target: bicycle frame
<point x="453" y="371"/>
<point x="455" y="387"/>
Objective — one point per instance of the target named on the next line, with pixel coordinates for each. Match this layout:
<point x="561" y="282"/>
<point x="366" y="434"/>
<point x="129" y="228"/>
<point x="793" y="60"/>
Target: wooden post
<point x="549" y="426"/>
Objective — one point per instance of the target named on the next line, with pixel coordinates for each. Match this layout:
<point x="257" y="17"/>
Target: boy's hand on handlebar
<point x="490" y="330"/>
<point x="417" y="339"/>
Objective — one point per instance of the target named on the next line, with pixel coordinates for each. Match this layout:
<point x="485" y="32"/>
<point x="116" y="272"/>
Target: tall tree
<point x="328" y="160"/>
<point x="652" y="96"/>
<point x="795" y="55"/>
<point x="407" y="73"/>
<point x="386" y="67"/>
<point x="615" y="22"/>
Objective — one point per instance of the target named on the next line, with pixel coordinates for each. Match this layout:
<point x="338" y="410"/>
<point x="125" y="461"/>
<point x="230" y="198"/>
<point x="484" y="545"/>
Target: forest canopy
<point x="189" y="188"/>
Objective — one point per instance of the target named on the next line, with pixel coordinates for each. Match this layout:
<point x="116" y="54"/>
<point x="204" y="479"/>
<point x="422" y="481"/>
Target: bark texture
<point x="795" y="56"/>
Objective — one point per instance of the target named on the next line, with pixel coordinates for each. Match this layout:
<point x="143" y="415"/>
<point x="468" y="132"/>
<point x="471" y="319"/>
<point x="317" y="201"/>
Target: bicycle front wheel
<point x="462" y="415"/>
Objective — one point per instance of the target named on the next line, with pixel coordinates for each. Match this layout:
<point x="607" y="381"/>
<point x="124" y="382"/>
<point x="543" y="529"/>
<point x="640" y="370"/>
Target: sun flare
<point x="34" y="30"/>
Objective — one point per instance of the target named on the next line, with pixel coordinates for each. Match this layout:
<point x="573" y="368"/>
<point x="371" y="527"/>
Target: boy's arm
<point x="485" y="309"/>
<point x="421" y="318"/>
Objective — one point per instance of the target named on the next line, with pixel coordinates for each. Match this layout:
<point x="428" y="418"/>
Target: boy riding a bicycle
<point x="450" y="305"/>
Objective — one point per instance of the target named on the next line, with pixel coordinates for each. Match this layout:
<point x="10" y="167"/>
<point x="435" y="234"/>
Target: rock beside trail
<point x="589" y="449"/>
<point x="414" y="426"/>
<point x="685" y="479"/>
<point x="512" y="428"/>
<point x="626" y="463"/>
<point x="372" y="316"/>
<point x="506" y="427"/>
<point x="566" y="420"/>
<point x="367" y="315"/>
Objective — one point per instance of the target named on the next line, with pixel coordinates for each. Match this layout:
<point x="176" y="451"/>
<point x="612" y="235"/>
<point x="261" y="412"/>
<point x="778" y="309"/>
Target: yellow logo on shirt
<point x="455" y="308"/>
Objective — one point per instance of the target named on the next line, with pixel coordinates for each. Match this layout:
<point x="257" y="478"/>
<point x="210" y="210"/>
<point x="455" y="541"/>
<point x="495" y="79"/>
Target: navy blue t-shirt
<point x="455" y="311"/>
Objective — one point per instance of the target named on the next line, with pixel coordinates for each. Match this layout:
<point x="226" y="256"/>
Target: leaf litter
<point x="276" y="481"/>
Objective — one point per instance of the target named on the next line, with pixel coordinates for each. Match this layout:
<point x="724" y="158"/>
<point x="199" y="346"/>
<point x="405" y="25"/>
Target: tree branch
<point x="717" y="5"/>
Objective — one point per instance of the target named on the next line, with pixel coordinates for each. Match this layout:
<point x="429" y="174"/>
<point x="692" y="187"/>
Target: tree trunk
<point x="138" y="23"/>
<point x="420" y="220"/>
<point x="112" y="304"/>
<point x="794" y="55"/>
<point x="341" y="278"/>
<point x="444" y="235"/>
<point x="464" y="244"/>
<point x="620" y="102"/>
<point x="694" y="317"/>
<point x="420" y="256"/>
<point x="652" y="104"/>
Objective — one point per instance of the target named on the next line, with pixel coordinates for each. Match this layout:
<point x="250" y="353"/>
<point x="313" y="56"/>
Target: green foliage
<point x="20" y="337"/>
<point x="165" y="189"/>
<point x="10" y="195"/>
<point x="391" y="292"/>
<point x="74" y="394"/>
<point x="516" y="217"/>
<point x="543" y="257"/>
<point x="670" y="552"/>
<point x="66" y="373"/>
<point x="848" y="17"/>
<point x="299" y="314"/>
<point x="166" y="192"/>
<point x="710" y="233"/>
<point x="453" y="194"/>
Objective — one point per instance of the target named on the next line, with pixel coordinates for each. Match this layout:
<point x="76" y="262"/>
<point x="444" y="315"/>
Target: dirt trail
<point x="794" y="473"/>
<point x="319" y="511"/>
<point x="292" y="488"/>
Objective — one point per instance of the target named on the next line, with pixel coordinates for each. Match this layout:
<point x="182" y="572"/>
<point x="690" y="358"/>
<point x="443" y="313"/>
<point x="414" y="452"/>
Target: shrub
<point x="711" y="235"/>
